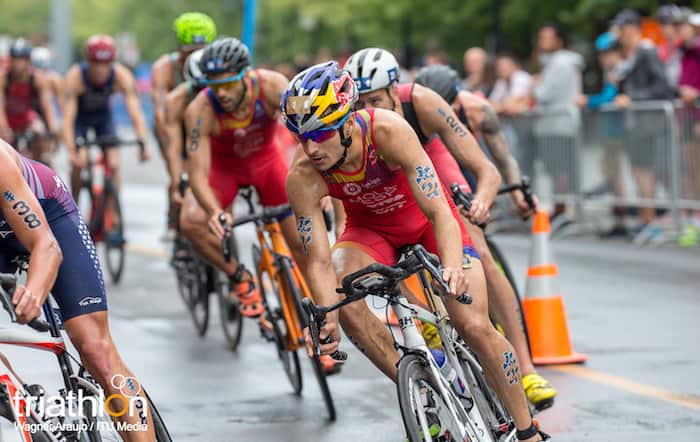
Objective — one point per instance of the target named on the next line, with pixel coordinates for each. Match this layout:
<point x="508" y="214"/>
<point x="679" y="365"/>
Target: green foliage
<point x="287" y="28"/>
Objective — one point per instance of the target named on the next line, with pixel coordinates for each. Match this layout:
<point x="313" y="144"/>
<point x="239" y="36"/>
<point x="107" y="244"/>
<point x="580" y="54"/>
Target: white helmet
<point x="191" y="71"/>
<point x="373" y="69"/>
<point x="41" y="57"/>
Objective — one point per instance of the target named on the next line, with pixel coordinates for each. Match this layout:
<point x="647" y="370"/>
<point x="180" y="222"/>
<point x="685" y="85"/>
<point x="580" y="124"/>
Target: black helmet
<point x="224" y="55"/>
<point x="440" y="78"/>
<point x="20" y="49"/>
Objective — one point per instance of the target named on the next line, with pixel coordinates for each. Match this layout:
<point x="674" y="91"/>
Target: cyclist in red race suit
<point x="24" y="92"/>
<point x="434" y="121"/>
<point x="374" y="163"/>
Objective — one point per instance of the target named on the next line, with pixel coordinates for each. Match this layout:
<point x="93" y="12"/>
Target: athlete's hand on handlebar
<point x="478" y="213"/>
<point x="215" y="223"/>
<point x="329" y="337"/>
<point x="521" y="205"/>
<point x="144" y="154"/>
<point x="27" y="304"/>
<point x="456" y="280"/>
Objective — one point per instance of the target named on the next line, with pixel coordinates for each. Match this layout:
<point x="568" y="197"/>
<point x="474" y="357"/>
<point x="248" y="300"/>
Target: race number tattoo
<point x="427" y="181"/>
<point x="304" y="228"/>
<point x="196" y="132"/>
<point x="454" y="123"/>
<point x="510" y="368"/>
<point x="23" y="210"/>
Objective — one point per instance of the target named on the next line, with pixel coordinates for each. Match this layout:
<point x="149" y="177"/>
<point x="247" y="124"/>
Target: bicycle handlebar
<point x="464" y="199"/>
<point x="383" y="282"/>
<point x="104" y="141"/>
<point x="266" y="216"/>
<point x="8" y="283"/>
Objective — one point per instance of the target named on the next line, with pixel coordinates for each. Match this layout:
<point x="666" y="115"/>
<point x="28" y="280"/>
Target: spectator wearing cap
<point x="609" y="52"/>
<point x="642" y="77"/>
<point x="670" y="17"/>
<point x="558" y="123"/>
<point x="689" y="89"/>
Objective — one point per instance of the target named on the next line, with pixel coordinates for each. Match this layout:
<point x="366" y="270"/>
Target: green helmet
<point x="194" y="28"/>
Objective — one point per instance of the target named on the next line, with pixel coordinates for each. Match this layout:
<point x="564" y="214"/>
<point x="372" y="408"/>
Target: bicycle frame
<point x="414" y="342"/>
<point x="271" y="252"/>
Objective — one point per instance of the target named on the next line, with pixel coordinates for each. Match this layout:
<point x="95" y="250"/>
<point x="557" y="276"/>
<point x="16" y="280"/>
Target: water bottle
<point x="447" y="371"/>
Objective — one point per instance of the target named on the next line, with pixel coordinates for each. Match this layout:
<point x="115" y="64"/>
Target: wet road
<point x="635" y="312"/>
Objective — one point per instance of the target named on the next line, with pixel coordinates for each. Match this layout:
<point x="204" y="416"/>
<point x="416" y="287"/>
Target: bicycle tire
<point x="505" y="268"/>
<point x="229" y="315"/>
<point x="273" y="315"/>
<point x="115" y="254"/>
<point x="412" y="370"/>
<point x="492" y="410"/>
<point x="286" y="274"/>
<point x="107" y="433"/>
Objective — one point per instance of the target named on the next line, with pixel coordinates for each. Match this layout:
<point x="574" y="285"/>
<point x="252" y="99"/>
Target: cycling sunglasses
<point x="324" y="134"/>
<point x="226" y="83"/>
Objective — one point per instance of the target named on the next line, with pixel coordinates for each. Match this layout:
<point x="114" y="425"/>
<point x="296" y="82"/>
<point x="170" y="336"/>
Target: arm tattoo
<point x="498" y="145"/>
<point x="196" y="132"/>
<point x="427" y="181"/>
<point x="454" y="123"/>
<point x="490" y="123"/>
<point x="305" y="228"/>
<point x="23" y="210"/>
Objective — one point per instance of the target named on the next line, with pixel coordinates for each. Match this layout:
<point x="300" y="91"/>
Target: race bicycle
<point x="283" y="288"/>
<point x="99" y="194"/>
<point x="434" y="406"/>
<point x="92" y="425"/>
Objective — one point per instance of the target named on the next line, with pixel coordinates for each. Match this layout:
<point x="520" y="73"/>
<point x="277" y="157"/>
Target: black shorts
<point x="79" y="287"/>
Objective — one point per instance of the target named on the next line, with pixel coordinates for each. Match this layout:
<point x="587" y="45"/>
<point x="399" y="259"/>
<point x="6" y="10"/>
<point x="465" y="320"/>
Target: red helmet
<point x="101" y="48"/>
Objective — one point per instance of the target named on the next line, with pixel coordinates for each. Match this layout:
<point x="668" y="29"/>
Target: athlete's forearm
<point x="446" y="230"/>
<point x="498" y="146"/>
<point x="199" y="182"/>
<point x="43" y="267"/>
<point x="489" y="181"/>
<point x="173" y="152"/>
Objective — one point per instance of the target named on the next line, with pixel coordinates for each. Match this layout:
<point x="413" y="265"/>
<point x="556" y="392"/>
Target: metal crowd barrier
<point x="645" y="155"/>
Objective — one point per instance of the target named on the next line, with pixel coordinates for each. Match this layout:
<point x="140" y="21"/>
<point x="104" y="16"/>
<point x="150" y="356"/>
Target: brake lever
<point x="6" y="298"/>
<point x="225" y="241"/>
<point x="315" y="325"/>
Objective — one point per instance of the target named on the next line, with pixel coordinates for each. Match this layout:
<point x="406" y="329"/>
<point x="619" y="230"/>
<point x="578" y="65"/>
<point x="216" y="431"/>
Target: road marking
<point x="145" y="250"/>
<point x="631" y="386"/>
<point x="688" y="401"/>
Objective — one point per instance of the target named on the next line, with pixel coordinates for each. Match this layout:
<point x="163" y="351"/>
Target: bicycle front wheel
<point x="426" y="413"/>
<point x="275" y="326"/>
<point x="295" y="292"/>
<point x="114" y="231"/>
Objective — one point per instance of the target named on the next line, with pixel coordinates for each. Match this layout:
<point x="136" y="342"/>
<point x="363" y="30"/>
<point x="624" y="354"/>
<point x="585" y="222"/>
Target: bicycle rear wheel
<point x="293" y="289"/>
<point x="426" y="414"/>
<point x="114" y="232"/>
<point x="278" y="326"/>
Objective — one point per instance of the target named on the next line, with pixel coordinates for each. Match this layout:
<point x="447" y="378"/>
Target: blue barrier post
<point x="250" y="15"/>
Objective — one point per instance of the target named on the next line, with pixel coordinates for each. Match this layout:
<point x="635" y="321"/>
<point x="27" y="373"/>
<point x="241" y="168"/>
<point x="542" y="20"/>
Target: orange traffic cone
<point x="543" y="305"/>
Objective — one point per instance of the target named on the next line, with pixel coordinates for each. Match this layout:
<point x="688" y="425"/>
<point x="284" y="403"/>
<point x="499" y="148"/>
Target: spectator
<point x="610" y="57"/>
<point x="558" y="124"/>
<point x="476" y="67"/>
<point x="511" y="93"/>
<point x="689" y="89"/>
<point x="670" y="17"/>
<point x="642" y="78"/>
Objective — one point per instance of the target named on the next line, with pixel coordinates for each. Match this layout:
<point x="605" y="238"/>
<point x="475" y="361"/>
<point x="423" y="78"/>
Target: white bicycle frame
<point x="414" y="341"/>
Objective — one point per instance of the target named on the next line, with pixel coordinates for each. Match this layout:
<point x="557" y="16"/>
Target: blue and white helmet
<point x="373" y="69"/>
<point x="191" y="71"/>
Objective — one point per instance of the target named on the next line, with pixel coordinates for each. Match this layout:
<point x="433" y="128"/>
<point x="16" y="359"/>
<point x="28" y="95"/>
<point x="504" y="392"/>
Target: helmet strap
<point x="240" y="100"/>
<point x="393" y="103"/>
<point x="346" y="142"/>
